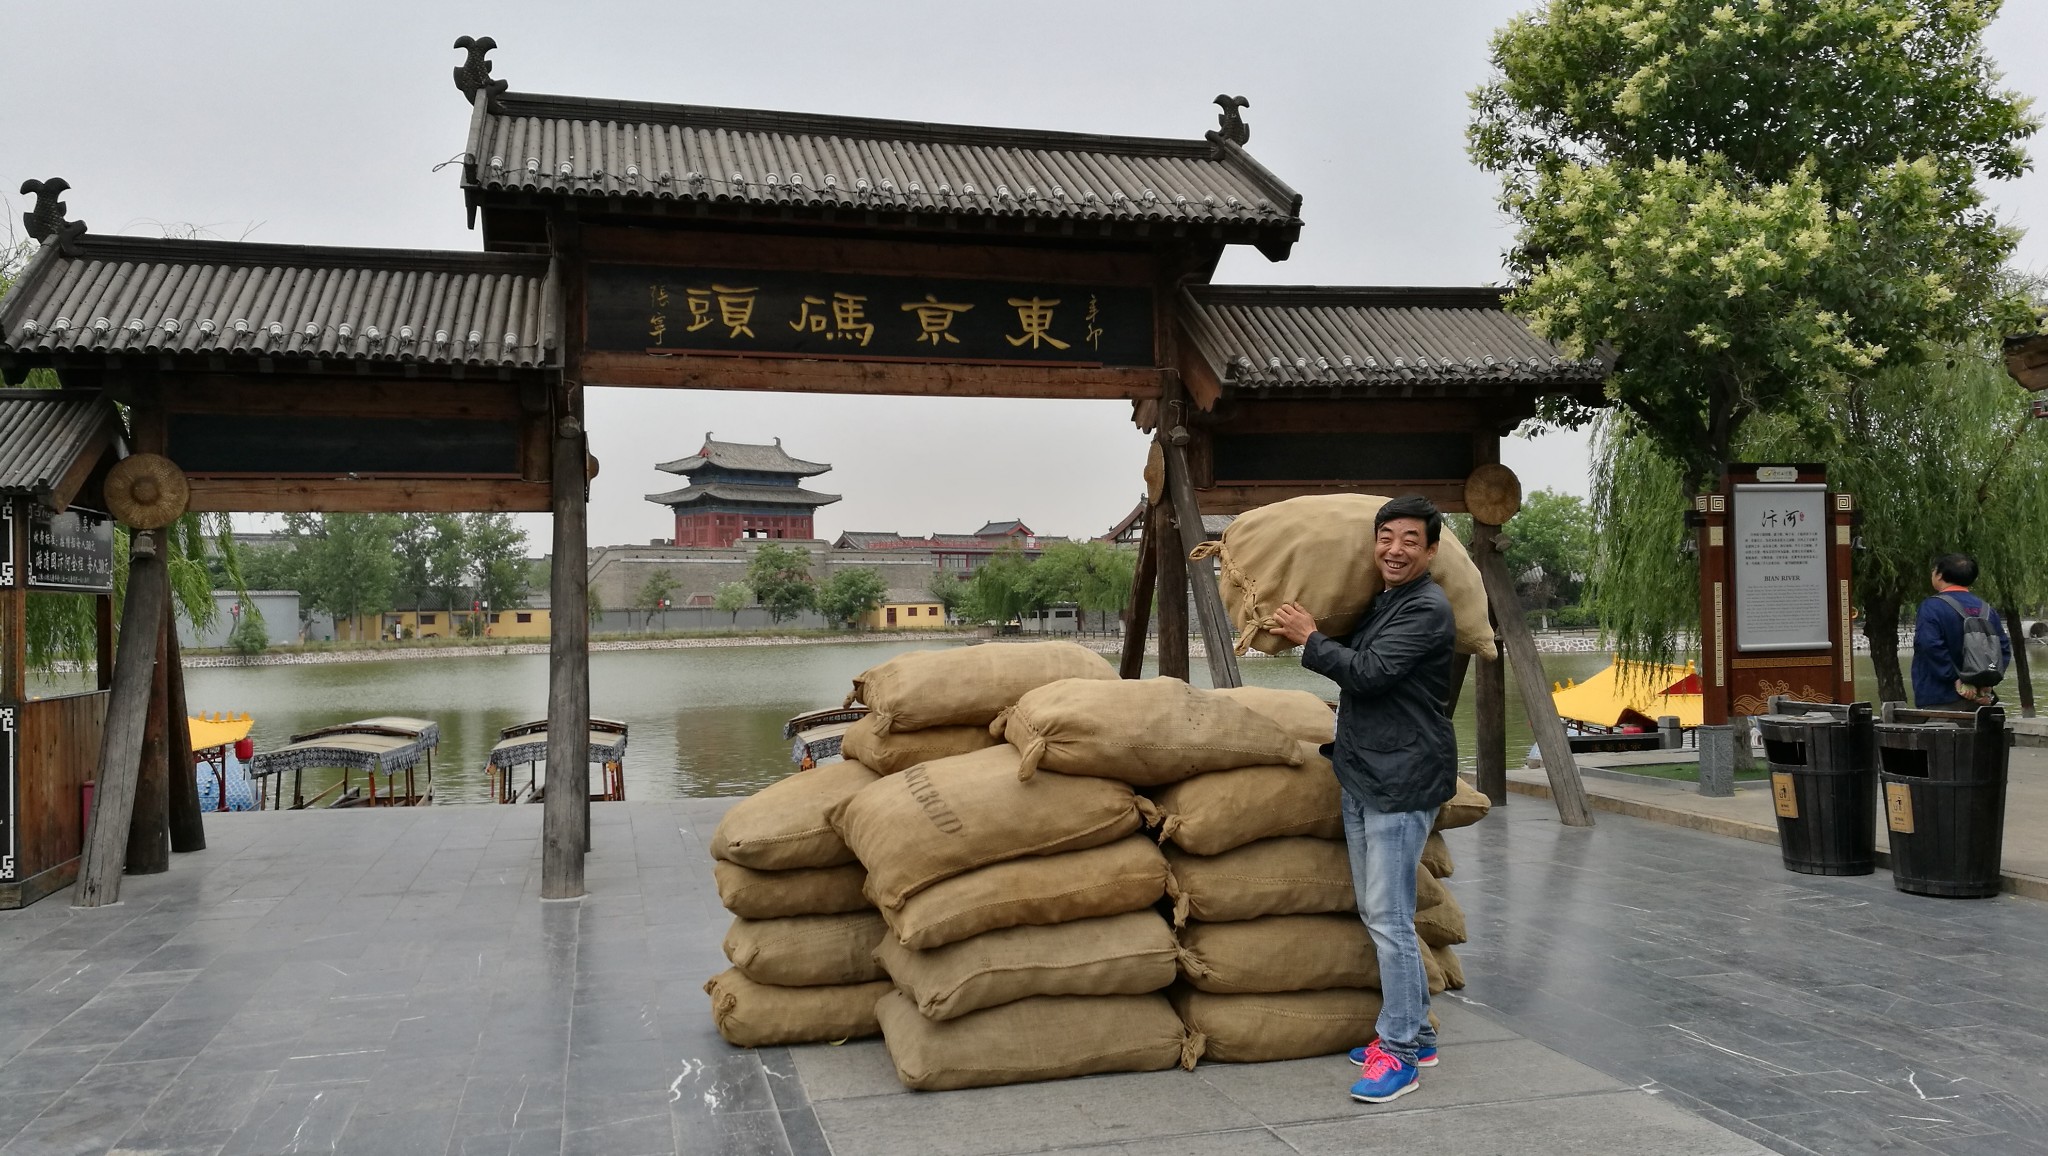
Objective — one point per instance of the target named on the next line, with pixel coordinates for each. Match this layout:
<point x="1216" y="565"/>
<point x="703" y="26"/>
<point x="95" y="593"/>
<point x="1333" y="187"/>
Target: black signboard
<point x="10" y="796"/>
<point x="6" y="543"/>
<point x="73" y="550"/>
<point x="863" y="317"/>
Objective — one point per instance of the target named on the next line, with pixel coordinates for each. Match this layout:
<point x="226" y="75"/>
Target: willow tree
<point x="1751" y="204"/>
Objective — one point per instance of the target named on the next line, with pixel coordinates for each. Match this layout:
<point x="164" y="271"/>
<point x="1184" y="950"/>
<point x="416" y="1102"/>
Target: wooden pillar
<point x="149" y="830"/>
<point x="1171" y="562"/>
<point x="1565" y="788"/>
<point x="1138" y="615"/>
<point x="113" y="806"/>
<point x="188" y="823"/>
<point x="566" y="809"/>
<point x="1219" y="643"/>
<point x="1490" y="713"/>
<point x="1461" y="664"/>
<point x="103" y="640"/>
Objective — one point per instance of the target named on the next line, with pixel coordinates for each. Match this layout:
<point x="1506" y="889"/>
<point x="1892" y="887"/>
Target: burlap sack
<point x="1298" y="712"/>
<point x="1428" y="892"/>
<point x="1126" y="875"/>
<point x="1126" y="954"/>
<point x="1291" y="876"/>
<point x="1047" y="1037"/>
<point x="947" y="817"/>
<point x="755" y="1015"/>
<point x="1146" y="732"/>
<point x="779" y="894"/>
<point x="1213" y="813"/>
<point x="1436" y="855"/>
<point x="887" y="752"/>
<point x="1253" y="1029"/>
<point x="1466" y="807"/>
<point x="967" y="685"/>
<point x="1441" y="924"/>
<point x="1286" y="953"/>
<point x="808" y="950"/>
<point x="1317" y="551"/>
<point x="1453" y="968"/>
<point x="782" y="825"/>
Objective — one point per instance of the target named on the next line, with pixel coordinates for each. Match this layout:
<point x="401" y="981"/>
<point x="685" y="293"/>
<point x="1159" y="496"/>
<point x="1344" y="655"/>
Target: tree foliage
<point x="780" y="577"/>
<point x="732" y="597"/>
<point x="1094" y="575"/>
<point x="655" y="591"/>
<point x="1001" y="589"/>
<point x="1757" y="203"/>
<point x="947" y="589"/>
<point x="251" y="635"/>
<point x="345" y="562"/>
<point x="494" y="552"/>
<point x="1550" y="548"/>
<point x="851" y="594"/>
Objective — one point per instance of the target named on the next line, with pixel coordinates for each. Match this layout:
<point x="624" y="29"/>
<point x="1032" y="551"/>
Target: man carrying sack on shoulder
<point x="1396" y="756"/>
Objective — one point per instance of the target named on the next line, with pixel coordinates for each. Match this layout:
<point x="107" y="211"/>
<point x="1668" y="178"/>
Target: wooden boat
<point x="390" y="745"/>
<point x="816" y="735"/>
<point x="526" y="745"/>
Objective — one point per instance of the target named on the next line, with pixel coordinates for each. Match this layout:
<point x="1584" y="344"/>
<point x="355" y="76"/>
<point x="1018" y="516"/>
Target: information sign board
<point x="6" y="544"/>
<point x="1780" y="537"/>
<point x="71" y="551"/>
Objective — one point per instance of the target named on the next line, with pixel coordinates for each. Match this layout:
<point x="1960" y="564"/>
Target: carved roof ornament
<point x="473" y="75"/>
<point x="46" y="221"/>
<point x="1233" y="129"/>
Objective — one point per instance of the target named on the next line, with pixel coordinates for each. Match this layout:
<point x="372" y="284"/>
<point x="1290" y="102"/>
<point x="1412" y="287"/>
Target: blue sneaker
<point x="1385" y="1078"/>
<point x="1424" y="1057"/>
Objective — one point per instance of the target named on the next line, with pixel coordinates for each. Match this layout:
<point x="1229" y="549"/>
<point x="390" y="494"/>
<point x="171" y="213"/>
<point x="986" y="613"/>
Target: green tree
<point x="1756" y="204"/>
<point x="251" y="635"/>
<point x="656" y="591"/>
<point x="1002" y="588"/>
<point x="732" y="597"/>
<point x="494" y="554"/>
<point x="947" y="589"/>
<point x="1094" y="575"/>
<point x="780" y="577"/>
<point x="1550" y="549"/>
<point x="432" y="563"/>
<point x="348" y="564"/>
<point x="851" y="594"/>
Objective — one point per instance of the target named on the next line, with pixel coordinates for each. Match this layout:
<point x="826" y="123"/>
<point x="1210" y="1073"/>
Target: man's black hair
<point x="1956" y="569"/>
<point x="1417" y="506"/>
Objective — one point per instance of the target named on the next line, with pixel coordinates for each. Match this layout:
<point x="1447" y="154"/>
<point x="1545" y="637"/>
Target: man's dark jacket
<point x="1938" y="639"/>
<point x="1395" y="748"/>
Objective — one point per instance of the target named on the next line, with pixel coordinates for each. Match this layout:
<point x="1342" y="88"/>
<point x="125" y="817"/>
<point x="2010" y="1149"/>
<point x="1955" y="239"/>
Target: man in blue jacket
<point x="1938" y="638"/>
<point x="1396" y="757"/>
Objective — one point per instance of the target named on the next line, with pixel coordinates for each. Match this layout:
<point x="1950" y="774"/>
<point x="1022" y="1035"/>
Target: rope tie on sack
<point x="1034" y="753"/>
<point x="1148" y="811"/>
<point x="1192" y="1046"/>
<point x="1192" y="964"/>
<point x="997" y="725"/>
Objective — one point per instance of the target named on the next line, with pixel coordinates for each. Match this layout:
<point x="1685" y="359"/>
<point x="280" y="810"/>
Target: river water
<point x="705" y="721"/>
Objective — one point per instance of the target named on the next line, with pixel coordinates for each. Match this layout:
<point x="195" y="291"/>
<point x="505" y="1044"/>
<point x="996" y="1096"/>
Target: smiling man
<point x="1396" y="757"/>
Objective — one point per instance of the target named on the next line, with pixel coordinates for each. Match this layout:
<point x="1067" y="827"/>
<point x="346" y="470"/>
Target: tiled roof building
<point x="740" y="491"/>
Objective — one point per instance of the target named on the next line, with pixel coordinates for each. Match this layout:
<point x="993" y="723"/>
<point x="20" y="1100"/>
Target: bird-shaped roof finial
<point x="1233" y="129"/>
<point x="46" y="221"/>
<point x="473" y="75"/>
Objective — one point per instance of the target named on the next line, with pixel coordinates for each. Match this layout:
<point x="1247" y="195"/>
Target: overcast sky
<point x="295" y="124"/>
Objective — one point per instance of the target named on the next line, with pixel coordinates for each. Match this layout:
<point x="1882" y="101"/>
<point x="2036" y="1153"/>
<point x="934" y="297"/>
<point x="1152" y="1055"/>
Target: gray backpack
<point x="1980" y="662"/>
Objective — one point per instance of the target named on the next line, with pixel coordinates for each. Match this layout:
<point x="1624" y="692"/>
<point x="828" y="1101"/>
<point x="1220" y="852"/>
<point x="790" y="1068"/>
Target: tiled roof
<point x="1445" y="340"/>
<point x="1213" y="525"/>
<point x="998" y="529"/>
<point x="728" y="158"/>
<point x="42" y="433"/>
<point x="768" y="459"/>
<point x="734" y="492"/>
<point x="230" y="301"/>
<point x="875" y="540"/>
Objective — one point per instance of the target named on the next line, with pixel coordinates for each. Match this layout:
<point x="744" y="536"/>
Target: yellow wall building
<point x="906" y="616"/>
<point x="523" y="622"/>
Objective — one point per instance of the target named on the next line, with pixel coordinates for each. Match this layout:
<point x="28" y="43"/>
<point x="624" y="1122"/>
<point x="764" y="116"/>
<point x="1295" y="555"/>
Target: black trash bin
<point x="1944" y="779"/>
<point x="1823" y="785"/>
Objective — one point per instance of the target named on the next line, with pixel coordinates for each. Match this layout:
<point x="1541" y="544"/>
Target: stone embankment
<point x="396" y="653"/>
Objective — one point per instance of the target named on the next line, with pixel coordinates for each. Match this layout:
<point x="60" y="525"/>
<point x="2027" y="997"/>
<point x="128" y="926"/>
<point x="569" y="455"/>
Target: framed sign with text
<point x="72" y="551"/>
<point x="1776" y="618"/>
<point x="7" y="525"/>
<point x="859" y="316"/>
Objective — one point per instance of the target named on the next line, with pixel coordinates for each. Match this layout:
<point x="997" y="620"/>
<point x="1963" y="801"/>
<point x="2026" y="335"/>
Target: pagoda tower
<point x="739" y="491"/>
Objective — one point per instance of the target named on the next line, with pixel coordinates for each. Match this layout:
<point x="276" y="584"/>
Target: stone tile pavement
<point x="389" y="983"/>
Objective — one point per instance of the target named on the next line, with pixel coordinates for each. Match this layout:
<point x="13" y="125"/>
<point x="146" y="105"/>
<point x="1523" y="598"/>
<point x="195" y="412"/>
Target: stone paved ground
<point x="388" y="983"/>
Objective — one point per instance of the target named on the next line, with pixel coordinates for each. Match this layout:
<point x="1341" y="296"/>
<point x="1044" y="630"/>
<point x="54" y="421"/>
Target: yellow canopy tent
<point x="1632" y="694"/>
<point x="218" y="730"/>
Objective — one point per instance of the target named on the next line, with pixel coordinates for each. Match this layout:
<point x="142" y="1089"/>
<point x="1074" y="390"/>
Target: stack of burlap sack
<point x="1276" y="962"/>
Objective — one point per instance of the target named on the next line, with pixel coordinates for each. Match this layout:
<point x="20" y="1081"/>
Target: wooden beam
<point x="366" y="495"/>
<point x="728" y="247"/>
<point x="1449" y="496"/>
<point x="65" y="489"/>
<point x="565" y="818"/>
<point x="1171" y="590"/>
<point x="1490" y="713"/>
<point x="341" y="396"/>
<point x="149" y="827"/>
<point x="113" y="806"/>
<point x="1219" y="642"/>
<point x="1565" y="788"/>
<point x="188" y="822"/>
<point x="902" y="378"/>
<point x="1138" y="615"/>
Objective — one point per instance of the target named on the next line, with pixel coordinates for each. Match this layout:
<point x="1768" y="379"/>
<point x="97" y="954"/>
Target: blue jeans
<point x="1386" y="850"/>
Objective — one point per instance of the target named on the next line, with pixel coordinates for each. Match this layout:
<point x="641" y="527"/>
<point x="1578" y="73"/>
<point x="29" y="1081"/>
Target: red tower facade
<point x="739" y="491"/>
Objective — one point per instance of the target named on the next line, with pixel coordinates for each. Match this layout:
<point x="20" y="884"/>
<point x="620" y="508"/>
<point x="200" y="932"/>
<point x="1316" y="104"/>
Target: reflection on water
<point x="705" y="721"/>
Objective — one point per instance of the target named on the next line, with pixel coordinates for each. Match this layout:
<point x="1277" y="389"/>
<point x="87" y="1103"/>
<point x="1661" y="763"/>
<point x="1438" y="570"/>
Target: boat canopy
<point x="387" y="744"/>
<point x="1632" y="694"/>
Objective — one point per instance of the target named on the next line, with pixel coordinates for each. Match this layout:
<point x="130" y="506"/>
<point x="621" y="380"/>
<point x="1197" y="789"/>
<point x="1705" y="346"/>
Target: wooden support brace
<point x="1490" y="714"/>
<point x="1217" y="639"/>
<point x="188" y="824"/>
<point x="1171" y="591"/>
<point x="113" y="807"/>
<point x="149" y="830"/>
<point x="1460" y="665"/>
<point x="565" y="819"/>
<point x="1138" y="615"/>
<point x="1565" y="787"/>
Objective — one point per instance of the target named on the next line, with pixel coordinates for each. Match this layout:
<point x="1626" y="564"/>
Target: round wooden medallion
<point x="1493" y="494"/>
<point x="589" y="467"/>
<point x="1155" y="474"/>
<point x="147" y="491"/>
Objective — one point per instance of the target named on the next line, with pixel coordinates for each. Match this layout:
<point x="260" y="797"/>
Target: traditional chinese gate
<point x="678" y="246"/>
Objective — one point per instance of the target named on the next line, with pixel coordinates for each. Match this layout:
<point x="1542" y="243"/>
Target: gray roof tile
<point x="153" y="296"/>
<point x="768" y="459"/>
<point x="42" y="432"/>
<point x="732" y="492"/>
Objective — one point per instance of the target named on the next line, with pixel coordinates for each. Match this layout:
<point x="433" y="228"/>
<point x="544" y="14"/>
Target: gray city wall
<point x="618" y="574"/>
